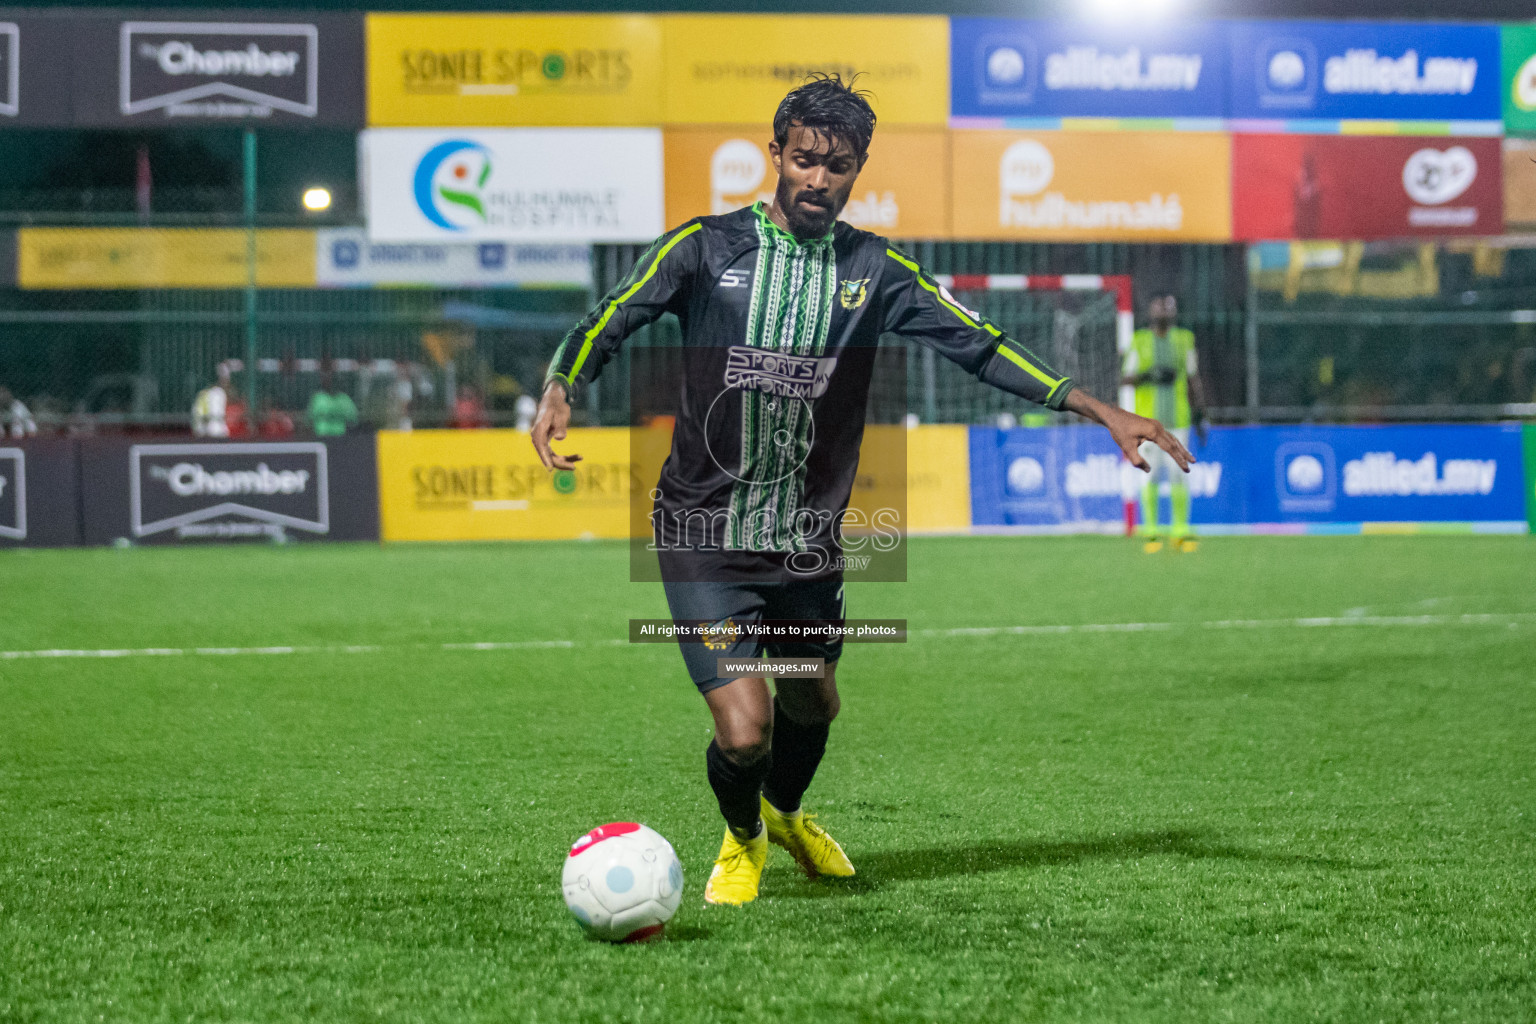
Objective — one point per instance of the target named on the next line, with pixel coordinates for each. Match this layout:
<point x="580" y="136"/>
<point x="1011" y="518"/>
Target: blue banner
<point x="1005" y="68"/>
<point x="1299" y="70"/>
<point x="1320" y="479"/>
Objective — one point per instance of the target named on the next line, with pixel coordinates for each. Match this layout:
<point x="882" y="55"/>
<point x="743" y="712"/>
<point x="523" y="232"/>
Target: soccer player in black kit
<point x="782" y="307"/>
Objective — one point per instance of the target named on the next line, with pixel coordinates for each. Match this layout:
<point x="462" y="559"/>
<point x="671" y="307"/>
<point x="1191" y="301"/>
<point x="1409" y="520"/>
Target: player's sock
<point x="1149" y="507"/>
<point x="738" y="788"/>
<point x="797" y="751"/>
<point x="1179" y="499"/>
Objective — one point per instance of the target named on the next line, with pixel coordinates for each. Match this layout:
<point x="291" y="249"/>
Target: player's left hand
<point x="1129" y="430"/>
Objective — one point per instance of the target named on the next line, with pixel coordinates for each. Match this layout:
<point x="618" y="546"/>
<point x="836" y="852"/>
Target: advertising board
<point x="1090" y="186"/>
<point x="493" y="70"/>
<point x="901" y="191"/>
<point x="178" y="67"/>
<point x="538" y="185"/>
<point x="162" y="258"/>
<point x="345" y="258"/>
<point x="1345" y="479"/>
<point x="1365" y="71"/>
<point x="1363" y="187"/>
<point x="490" y="485"/>
<point x="39" y="492"/>
<point x="1009" y="68"/>
<point x="177" y="492"/>
<point x="735" y="68"/>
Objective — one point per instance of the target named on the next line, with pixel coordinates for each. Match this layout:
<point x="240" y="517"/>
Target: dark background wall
<point x="1467" y="10"/>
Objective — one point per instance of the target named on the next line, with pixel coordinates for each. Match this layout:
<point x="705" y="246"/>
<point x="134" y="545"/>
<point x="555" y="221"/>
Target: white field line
<point x="1508" y="619"/>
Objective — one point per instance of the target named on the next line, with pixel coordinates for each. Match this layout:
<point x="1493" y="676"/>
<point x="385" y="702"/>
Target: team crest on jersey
<point x="853" y="293"/>
<point x="718" y="636"/>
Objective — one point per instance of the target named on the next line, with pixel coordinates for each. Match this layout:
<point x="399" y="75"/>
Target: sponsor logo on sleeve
<point x="228" y="490"/>
<point x="13" y="493"/>
<point x="219" y="69"/>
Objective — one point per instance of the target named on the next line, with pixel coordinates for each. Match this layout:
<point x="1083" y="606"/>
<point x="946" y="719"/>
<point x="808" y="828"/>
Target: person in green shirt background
<point x="331" y="411"/>
<point x="1161" y="367"/>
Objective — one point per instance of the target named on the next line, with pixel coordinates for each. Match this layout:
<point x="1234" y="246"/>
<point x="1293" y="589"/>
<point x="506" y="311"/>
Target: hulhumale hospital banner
<point x="1379" y="71"/>
<point x="513" y="185"/>
<point x="1349" y="186"/>
<point x="1261" y="479"/>
<point x="1002" y="69"/>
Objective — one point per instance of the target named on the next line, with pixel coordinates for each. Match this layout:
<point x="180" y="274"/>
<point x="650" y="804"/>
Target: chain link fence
<point x="1286" y="332"/>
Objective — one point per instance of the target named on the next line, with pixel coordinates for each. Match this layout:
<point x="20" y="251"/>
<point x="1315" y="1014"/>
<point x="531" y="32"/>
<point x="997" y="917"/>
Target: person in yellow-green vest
<point x="1161" y="369"/>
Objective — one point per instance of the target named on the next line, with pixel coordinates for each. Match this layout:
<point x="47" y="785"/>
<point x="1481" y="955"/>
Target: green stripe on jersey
<point x="790" y="311"/>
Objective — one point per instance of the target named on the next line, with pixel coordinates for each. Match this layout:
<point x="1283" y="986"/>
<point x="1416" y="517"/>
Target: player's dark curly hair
<point x="831" y="107"/>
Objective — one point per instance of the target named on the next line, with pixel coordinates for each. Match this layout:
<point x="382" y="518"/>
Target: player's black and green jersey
<point x="781" y="338"/>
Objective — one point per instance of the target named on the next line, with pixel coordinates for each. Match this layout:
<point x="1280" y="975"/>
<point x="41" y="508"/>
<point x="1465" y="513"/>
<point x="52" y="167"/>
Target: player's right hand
<point x="553" y="418"/>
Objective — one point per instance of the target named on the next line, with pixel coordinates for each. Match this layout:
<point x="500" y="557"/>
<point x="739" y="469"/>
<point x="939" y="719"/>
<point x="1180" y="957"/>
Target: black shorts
<point x="818" y="599"/>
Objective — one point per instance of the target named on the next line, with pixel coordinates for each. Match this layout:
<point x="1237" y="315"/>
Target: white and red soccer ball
<point x="623" y="882"/>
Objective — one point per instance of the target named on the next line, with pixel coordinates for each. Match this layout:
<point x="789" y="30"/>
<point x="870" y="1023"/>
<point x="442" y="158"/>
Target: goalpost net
<point x="1079" y="323"/>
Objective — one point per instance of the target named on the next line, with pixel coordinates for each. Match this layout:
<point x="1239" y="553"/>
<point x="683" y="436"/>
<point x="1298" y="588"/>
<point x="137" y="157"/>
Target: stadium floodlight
<point x="1130" y="10"/>
<point x="317" y="199"/>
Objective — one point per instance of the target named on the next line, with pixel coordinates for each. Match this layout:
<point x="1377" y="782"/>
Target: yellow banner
<point x="490" y="485"/>
<point x="1121" y="186"/>
<point x="902" y="190"/>
<point x="939" y="479"/>
<point x="162" y="258"/>
<point x="735" y="68"/>
<point x="514" y="69"/>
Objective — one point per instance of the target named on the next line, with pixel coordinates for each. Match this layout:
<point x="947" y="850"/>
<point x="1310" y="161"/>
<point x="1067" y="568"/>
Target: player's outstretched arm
<point x="1128" y="429"/>
<point x="553" y="418"/>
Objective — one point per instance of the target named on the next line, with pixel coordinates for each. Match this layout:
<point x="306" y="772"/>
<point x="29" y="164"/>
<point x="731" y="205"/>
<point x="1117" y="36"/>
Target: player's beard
<point x="807" y="222"/>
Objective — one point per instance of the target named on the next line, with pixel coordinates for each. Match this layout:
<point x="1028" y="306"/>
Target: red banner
<point x="1358" y="187"/>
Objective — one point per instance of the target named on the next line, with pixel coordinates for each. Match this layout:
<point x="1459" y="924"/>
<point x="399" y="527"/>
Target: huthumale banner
<point x="1091" y="186"/>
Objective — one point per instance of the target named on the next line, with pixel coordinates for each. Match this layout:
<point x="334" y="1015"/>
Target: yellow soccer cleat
<point x="1188" y="545"/>
<point x="816" y="852"/>
<point x="1152" y="546"/>
<point x="737" y="870"/>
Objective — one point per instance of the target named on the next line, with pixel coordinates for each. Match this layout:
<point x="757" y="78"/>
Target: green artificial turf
<point x="1277" y="822"/>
